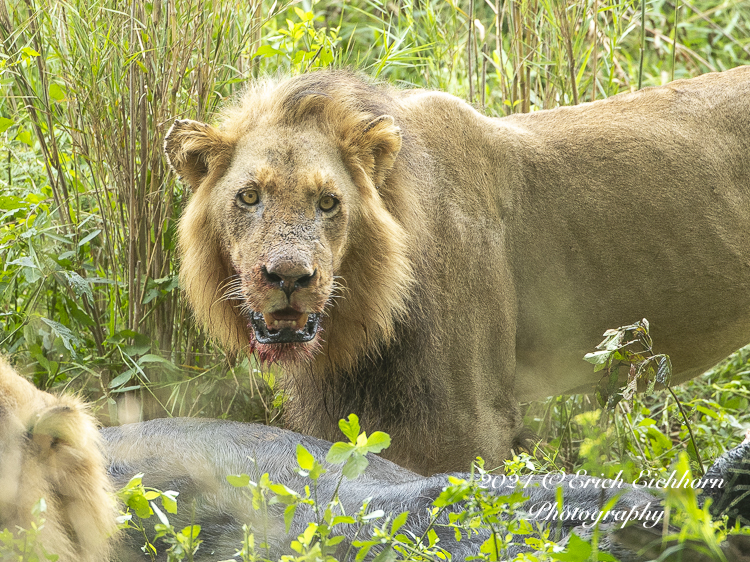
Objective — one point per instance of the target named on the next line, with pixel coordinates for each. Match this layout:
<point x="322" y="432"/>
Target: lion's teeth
<point x="301" y="321"/>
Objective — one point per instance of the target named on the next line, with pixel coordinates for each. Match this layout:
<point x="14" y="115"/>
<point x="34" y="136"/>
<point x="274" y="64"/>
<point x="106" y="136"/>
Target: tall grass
<point x="97" y="85"/>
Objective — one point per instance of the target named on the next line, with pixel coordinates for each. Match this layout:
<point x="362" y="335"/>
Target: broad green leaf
<point x="452" y="495"/>
<point x="169" y="501"/>
<point x="141" y="344"/>
<point x="305" y="460"/>
<point x="191" y="531"/>
<point x="5" y="123"/>
<point x="56" y="92"/>
<point x="151" y="358"/>
<point x="239" y="481"/>
<point x="350" y="428"/>
<point x="399" y="521"/>
<point x="598" y="357"/>
<point x="317" y="471"/>
<point x="78" y="284"/>
<point x="69" y="339"/>
<point x="339" y="452"/>
<point x="140" y="505"/>
<point x="90" y="236"/>
<point x="284" y="493"/>
<point x="377" y="442"/>
<point x="355" y="466"/>
<point x="25" y="137"/>
<point x="121" y="379"/>
<point x="267" y="51"/>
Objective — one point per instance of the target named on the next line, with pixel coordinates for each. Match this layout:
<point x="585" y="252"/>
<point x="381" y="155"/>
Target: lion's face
<point x="287" y="242"/>
<point x="284" y="207"/>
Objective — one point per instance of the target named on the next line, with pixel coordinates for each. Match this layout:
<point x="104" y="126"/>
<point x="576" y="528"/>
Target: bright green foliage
<point x="22" y="545"/>
<point x="353" y="453"/>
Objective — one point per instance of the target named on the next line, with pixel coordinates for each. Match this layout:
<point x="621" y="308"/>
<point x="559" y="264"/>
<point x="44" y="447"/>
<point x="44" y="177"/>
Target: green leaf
<point x="387" y="555"/>
<point x="169" y="502"/>
<point x="151" y="358"/>
<point x="355" y="466"/>
<point x="5" y="123"/>
<point x="141" y="343"/>
<point x="56" y="92"/>
<point x="30" y="52"/>
<point x="69" y="339"/>
<point x="139" y="504"/>
<point x="284" y="494"/>
<point x="121" y="379"/>
<point x="710" y="413"/>
<point x="191" y="531"/>
<point x="25" y="137"/>
<point x="267" y="51"/>
<point x="317" y="471"/>
<point x="78" y="284"/>
<point x="90" y="236"/>
<point x="399" y="521"/>
<point x="350" y="428"/>
<point x="490" y="546"/>
<point x="289" y="515"/>
<point x="377" y="514"/>
<point x="239" y="481"/>
<point x="304" y="459"/>
<point x="452" y="495"/>
<point x="339" y="452"/>
<point x="598" y="357"/>
<point x="377" y="442"/>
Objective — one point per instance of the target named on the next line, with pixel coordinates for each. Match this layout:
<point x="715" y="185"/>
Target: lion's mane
<point x="50" y="449"/>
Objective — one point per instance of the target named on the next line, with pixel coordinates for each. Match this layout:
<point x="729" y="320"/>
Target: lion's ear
<point x="381" y="141"/>
<point x="193" y="149"/>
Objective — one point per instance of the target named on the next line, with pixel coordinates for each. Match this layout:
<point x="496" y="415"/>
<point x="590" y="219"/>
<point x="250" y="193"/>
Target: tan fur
<point x="472" y="262"/>
<point x="50" y="448"/>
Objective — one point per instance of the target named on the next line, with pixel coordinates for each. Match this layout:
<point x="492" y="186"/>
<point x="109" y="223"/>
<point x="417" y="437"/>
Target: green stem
<point x="690" y="429"/>
<point x="643" y="43"/>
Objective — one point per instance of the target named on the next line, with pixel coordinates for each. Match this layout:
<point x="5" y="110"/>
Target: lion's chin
<point x="284" y="353"/>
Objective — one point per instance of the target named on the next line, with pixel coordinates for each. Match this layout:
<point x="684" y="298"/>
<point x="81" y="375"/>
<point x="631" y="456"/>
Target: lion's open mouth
<point x="285" y="326"/>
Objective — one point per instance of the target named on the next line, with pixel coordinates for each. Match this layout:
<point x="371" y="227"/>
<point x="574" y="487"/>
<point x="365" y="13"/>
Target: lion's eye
<point x="248" y="197"/>
<point x="328" y="203"/>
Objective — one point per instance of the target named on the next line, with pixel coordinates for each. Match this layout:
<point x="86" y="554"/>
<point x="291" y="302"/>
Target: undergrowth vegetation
<point x="89" y="298"/>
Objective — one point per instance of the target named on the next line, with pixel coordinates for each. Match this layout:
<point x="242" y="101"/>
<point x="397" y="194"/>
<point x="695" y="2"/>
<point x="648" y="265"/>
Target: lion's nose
<point x="288" y="277"/>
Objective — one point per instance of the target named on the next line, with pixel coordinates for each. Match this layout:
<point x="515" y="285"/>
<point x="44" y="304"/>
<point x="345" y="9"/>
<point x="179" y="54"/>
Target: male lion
<point x="426" y="267"/>
<point x="50" y="449"/>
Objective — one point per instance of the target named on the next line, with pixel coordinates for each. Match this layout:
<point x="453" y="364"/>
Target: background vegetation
<point x="88" y="287"/>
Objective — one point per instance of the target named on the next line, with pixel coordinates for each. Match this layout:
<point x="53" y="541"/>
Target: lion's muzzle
<point x="270" y="328"/>
<point x="295" y="323"/>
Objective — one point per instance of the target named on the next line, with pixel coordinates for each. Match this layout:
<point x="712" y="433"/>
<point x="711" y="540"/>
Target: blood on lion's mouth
<point x="285" y="326"/>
